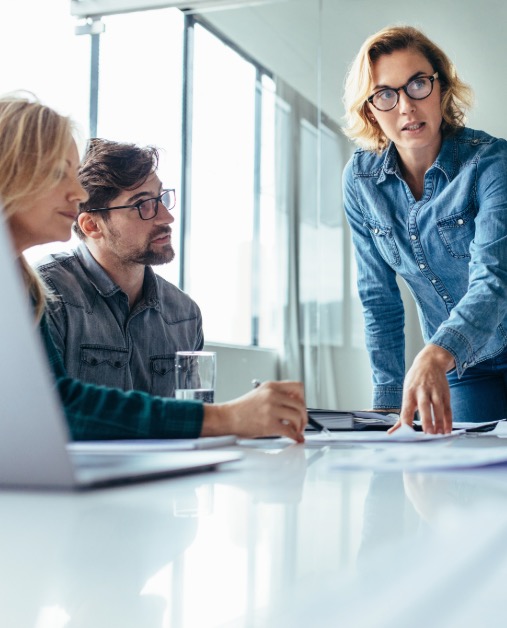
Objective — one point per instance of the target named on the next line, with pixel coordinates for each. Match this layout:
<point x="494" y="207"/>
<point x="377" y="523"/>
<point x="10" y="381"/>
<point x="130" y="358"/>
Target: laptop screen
<point x="33" y="432"/>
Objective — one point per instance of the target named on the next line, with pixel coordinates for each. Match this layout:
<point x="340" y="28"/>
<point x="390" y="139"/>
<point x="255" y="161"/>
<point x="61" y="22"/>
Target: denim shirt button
<point x="464" y="365"/>
<point x="475" y="142"/>
<point x="413" y="237"/>
<point x="376" y="230"/>
<point x="433" y="281"/>
<point x="422" y="266"/>
<point x="445" y="297"/>
<point x="460" y="221"/>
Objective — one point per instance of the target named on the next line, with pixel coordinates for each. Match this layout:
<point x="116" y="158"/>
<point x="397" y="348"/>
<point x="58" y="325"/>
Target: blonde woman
<point x="41" y="194"/>
<point x="426" y="199"/>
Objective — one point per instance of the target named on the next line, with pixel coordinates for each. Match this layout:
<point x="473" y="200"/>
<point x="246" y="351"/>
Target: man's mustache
<point x="160" y="232"/>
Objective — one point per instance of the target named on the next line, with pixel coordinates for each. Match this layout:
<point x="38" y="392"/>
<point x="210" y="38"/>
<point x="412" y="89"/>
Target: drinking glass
<point x="195" y="375"/>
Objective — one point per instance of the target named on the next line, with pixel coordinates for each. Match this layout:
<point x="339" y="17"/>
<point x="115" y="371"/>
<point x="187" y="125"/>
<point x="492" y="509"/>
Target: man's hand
<point x="272" y="409"/>
<point x="426" y="390"/>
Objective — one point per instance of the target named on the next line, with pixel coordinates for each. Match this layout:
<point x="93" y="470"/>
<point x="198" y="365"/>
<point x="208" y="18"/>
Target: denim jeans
<point x="481" y="393"/>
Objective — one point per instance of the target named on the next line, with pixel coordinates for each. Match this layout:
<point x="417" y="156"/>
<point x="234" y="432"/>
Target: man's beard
<point x="153" y="258"/>
<point x="146" y="256"/>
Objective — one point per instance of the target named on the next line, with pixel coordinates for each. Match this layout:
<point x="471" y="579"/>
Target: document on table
<point x="493" y="428"/>
<point x="415" y="458"/>
<point x="351" y="419"/>
<point x="500" y="429"/>
<point x="405" y="434"/>
<point x="147" y="445"/>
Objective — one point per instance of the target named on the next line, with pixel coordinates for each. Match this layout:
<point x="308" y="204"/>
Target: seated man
<point x="114" y="321"/>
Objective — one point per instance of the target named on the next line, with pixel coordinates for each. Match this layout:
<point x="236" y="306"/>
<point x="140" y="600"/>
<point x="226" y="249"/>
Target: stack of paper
<point x="352" y="419"/>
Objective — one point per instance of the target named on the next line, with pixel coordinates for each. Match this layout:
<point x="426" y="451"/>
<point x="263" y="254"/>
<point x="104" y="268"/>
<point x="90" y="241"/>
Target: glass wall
<point x="244" y="105"/>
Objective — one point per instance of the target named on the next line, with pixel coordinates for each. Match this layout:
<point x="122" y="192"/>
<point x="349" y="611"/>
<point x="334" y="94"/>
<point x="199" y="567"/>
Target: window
<point x="270" y="289"/>
<point x="251" y="155"/>
<point x="140" y="93"/>
<point x="321" y="236"/>
<point x="221" y="209"/>
<point x="227" y="192"/>
<point x="59" y="80"/>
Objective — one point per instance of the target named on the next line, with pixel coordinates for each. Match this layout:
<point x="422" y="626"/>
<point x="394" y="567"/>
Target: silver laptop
<point x="33" y="428"/>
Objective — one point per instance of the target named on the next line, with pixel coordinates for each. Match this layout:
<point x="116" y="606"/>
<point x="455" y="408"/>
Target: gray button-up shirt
<point x="101" y="341"/>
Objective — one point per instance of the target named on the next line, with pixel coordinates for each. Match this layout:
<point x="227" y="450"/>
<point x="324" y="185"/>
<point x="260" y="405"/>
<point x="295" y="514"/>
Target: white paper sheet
<point x="419" y="458"/>
<point x="500" y="430"/>
<point x="405" y="434"/>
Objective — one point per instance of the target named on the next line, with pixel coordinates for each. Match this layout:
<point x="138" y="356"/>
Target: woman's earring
<point x="373" y="119"/>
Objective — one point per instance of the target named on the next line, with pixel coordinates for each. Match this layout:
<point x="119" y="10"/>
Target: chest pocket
<point x="162" y="375"/>
<point x="457" y="232"/>
<point x="105" y="366"/>
<point x="384" y="241"/>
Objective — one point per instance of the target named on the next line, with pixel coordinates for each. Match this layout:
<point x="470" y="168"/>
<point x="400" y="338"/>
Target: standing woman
<point x="426" y="199"/>
<point x="40" y="194"/>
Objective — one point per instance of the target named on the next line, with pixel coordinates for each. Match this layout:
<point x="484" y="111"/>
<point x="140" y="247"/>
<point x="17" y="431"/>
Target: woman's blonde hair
<point x="34" y="141"/>
<point x="456" y="96"/>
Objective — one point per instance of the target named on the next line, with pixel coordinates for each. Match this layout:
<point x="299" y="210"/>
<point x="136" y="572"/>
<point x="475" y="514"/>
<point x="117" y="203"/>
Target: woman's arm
<point x="102" y="413"/>
<point x="476" y="317"/>
<point x="382" y="305"/>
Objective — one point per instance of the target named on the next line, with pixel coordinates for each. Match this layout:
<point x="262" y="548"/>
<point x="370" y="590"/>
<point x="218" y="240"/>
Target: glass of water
<point x="195" y="375"/>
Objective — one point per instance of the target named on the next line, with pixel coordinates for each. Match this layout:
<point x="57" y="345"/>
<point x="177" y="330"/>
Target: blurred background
<point x="244" y="98"/>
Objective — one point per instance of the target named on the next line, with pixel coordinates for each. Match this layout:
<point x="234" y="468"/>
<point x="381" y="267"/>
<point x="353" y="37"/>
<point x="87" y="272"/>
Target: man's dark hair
<point x="110" y="168"/>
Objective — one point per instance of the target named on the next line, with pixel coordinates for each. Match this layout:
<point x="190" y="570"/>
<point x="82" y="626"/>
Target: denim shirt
<point x="450" y="247"/>
<point x="101" y="341"/>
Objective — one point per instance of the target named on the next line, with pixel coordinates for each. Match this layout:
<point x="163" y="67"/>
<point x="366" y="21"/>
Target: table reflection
<point x="86" y="557"/>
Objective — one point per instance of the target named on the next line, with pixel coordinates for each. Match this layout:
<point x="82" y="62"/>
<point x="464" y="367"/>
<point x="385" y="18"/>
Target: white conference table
<point x="278" y="539"/>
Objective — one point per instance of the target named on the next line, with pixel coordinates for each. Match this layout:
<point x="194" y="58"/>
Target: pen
<point x="316" y="424"/>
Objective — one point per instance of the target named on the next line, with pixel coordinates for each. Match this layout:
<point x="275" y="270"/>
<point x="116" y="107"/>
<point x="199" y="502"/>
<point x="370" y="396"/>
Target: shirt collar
<point x="103" y="283"/>
<point x="390" y="165"/>
<point x="446" y="161"/>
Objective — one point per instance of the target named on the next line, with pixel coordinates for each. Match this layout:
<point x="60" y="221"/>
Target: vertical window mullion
<point x="94" y="83"/>
<point x="186" y="145"/>
<point x="256" y="279"/>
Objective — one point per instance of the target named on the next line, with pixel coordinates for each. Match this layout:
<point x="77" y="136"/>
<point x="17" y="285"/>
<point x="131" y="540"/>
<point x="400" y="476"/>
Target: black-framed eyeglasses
<point x="416" y="89"/>
<point x="148" y="207"/>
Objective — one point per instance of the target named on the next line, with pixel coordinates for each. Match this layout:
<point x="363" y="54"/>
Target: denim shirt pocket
<point x="383" y="238"/>
<point x="458" y="231"/>
<point x="102" y="365"/>
<point x="162" y="375"/>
